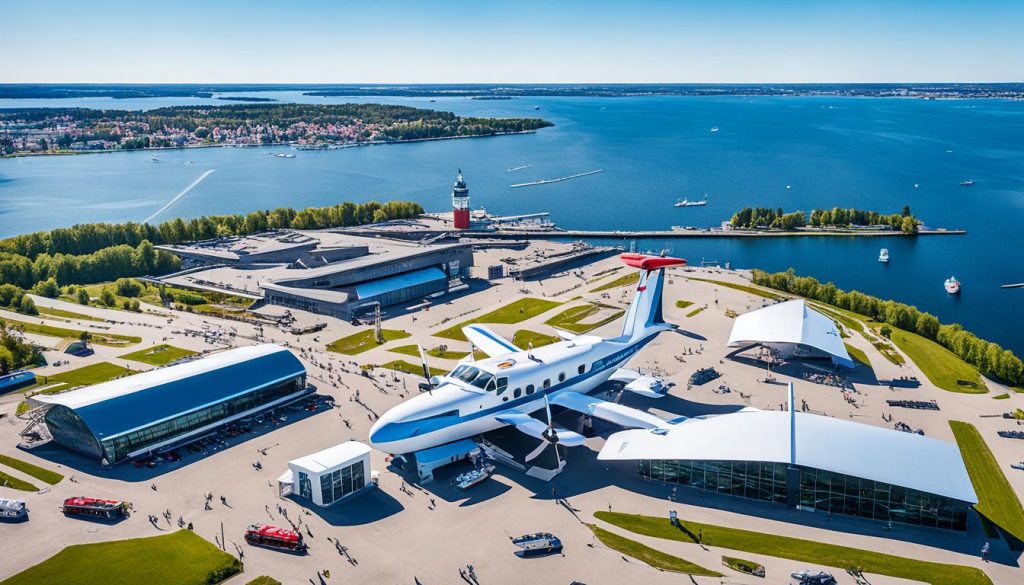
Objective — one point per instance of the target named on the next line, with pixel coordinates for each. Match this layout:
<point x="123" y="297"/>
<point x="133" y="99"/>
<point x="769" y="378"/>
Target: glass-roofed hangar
<point x="144" y="413"/>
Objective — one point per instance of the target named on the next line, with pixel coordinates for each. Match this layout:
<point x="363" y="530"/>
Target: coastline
<point x="657" y="234"/>
<point x="330" y="146"/>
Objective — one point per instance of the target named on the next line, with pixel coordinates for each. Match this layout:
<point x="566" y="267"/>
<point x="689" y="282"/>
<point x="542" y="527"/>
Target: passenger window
<point x="529" y="389"/>
<point x="502" y="384"/>
<point x="517" y="393"/>
<point x="581" y="369"/>
<point x="547" y="384"/>
<point x="561" y="377"/>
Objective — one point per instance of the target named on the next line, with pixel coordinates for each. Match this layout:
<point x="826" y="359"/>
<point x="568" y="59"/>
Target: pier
<point x="695" y="233"/>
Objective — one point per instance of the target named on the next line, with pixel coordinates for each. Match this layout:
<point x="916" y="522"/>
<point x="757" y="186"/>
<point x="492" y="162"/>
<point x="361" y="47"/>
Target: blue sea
<point x="789" y="152"/>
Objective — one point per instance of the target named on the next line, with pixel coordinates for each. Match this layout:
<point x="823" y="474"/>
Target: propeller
<point x="429" y="384"/>
<point x="550" y="436"/>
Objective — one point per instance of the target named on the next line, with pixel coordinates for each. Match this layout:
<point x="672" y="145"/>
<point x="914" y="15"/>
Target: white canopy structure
<point x="792" y="329"/>
<point x="819" y="442"/>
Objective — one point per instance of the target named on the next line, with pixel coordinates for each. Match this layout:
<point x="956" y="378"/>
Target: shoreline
<point x="330" y="146"/>
<point x="657" y="234"/>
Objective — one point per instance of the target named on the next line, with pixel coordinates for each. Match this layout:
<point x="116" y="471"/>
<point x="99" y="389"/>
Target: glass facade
<point x="342" y="482"/>
<point x="69" y="430"/>
<point x="816" y="489"/>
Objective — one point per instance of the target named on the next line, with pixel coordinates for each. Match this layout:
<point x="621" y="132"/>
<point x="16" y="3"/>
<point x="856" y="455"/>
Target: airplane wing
<point x="487" y="341"/>
<point x="609" y="411"/>
<point x="528" y="425"/>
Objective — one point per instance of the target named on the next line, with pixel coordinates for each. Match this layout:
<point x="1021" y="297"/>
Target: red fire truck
<point x="96" y="508"/>
<point x="276" y="538"/>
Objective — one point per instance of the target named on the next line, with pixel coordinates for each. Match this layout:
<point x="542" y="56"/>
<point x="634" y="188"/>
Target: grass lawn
<point x="695" y="312"/>
<point x="43" y="475"/>
<point x="857" y="354"/>
<point x="514" y="312"/>
<point x="359" y="342"/>
<point x="756" y="291"/>
<point x="683" y="304"/>
<point x="406" y="367"/>
<point x="62" y="314"/>
<point x="940" y="365"/>
<point x="85" y="376"/>
<point x="524" y="337"/>
<point x="437" y="352"/>
<point x="652" y="557"/>
<point x="16" y="484"/>
<point x="996" y="499"/>
<point x="264" y="580"/>
<point x="158" y="355"/>
<point x="180" y="558"/>
<point x="741" y="565"/>
<point x="797" y="549"/>
<point x="1001" y="397"/>
<point x="569" y="319"/>
<point x="848" y="320"/>
<point x="98" y="337"/>
<point x="631" y="278"/>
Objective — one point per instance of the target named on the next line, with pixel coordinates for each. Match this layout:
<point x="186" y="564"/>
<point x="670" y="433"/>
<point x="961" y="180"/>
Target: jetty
<point x="558" y="180"/>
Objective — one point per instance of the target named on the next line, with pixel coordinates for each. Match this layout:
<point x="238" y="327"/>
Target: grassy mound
<point x="362" y="341"/>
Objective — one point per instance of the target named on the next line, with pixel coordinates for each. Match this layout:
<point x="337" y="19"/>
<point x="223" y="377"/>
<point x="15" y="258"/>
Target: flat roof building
<point x="808" y="461"/>
<point x="137" y="415"/>
<point x="328" y="476"/>
<point x="792" y="330"/>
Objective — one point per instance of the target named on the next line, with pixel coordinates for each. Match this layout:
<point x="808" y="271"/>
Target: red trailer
<point x="107" y="509"/>
<point x="276" y="538"/>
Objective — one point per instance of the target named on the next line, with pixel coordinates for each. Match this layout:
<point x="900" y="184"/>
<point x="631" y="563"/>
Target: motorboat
<point x="471" y="478"/>
<point x="13" y="510"/>
<point x="684" y="202"/>
<point x="540" y="543"/>
<point x="807" y="577"/>
<point x="285" y="155"/>
<point x="268" y="536"/>
<point x="883" y="256"/>
<point x="952" y="285"/>
<point x="966" y="182"/>
<point x="715" y="129"/>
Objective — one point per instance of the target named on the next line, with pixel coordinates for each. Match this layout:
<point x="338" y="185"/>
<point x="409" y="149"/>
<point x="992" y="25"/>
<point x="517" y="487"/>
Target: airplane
<point x="504" y="389"/>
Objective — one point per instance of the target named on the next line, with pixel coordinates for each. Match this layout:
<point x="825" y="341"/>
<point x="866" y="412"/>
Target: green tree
<point x="27" y="306"/>
<point x="47" y="288"/>
<point x="107" y="297"/>
<point x="83" y="296"/>
<point x="908" y="225"/>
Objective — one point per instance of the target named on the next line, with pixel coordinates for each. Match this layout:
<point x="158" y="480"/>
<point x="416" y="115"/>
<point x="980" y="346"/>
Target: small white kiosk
<point x="328" y="476"/>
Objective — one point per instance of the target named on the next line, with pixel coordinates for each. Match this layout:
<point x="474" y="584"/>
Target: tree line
<point x="837" y="217"/>
<point x="15" y="352"/>
<point x="98" y="252"/>
<point x="987" y="356"/>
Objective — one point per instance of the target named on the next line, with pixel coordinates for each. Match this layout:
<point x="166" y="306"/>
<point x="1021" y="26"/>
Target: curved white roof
<point x="790" y="322"/>
<point x="841" y="446"/>
<point x="332" y="457"/>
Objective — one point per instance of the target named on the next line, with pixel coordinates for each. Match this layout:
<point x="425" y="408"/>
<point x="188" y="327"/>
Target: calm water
<point x="859" y="152"/>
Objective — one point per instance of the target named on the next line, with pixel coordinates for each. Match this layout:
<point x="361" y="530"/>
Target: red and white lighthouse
<point x="460" y="203"/>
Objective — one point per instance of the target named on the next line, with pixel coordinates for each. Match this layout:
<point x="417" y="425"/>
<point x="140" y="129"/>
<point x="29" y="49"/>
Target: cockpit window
<point x="481" y="380"/>
<point x="464" y="373"/>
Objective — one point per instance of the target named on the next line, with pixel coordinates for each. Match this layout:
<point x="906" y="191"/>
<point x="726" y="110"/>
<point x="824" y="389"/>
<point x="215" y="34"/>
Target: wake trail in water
<point x="180" y="195"/>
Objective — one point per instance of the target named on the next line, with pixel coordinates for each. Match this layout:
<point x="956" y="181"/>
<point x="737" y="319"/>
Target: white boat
<point x="285" y="155"/>
<point x="471" y="478"/>
<point x="684" y="202"/>
<point x="952" y="285"/>
<point x="539" y="543"/>
<point x="966" y="182"/>
<point x="883" y="256"/>
<point x="715" y="129"/>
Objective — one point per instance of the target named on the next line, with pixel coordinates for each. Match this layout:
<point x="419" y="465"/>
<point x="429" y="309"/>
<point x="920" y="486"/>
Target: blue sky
<point x="314" y="41"/>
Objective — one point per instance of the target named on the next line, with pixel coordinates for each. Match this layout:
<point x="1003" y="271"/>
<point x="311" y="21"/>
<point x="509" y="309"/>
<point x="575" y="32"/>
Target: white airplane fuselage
<point x="457" y="409"/>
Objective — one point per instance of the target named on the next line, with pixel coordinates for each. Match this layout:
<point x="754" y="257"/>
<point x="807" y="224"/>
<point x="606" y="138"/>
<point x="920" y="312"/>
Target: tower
<point x="460" y="203"/>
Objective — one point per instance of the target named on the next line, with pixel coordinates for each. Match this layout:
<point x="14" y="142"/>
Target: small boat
<point x="684" y="202"/>
<point x="714" y="129"/>
<point x="285" y="155"/>
<point x="540" y="543"/>
<point x="268" y="536"/>
<point x="471" y="478"/>
<point x="916" y="185"/>
<point x="883" y="256"/>
<point x="952" y="285"/>
<point x="966" y="182"/>
<point x="536" y="107"/>
<point x="13" y="510"/>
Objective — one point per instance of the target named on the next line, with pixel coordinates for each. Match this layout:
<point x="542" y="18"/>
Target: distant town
<point x="69" y="130"/>
<point x="910" y="90"/>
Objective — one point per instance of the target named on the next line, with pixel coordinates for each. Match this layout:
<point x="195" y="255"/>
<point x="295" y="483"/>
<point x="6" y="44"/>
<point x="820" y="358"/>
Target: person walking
<point x="984" y="552"/>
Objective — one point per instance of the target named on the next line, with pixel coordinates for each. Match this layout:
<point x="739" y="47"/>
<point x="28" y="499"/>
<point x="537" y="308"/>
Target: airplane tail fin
<point x="644" y="316"/>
